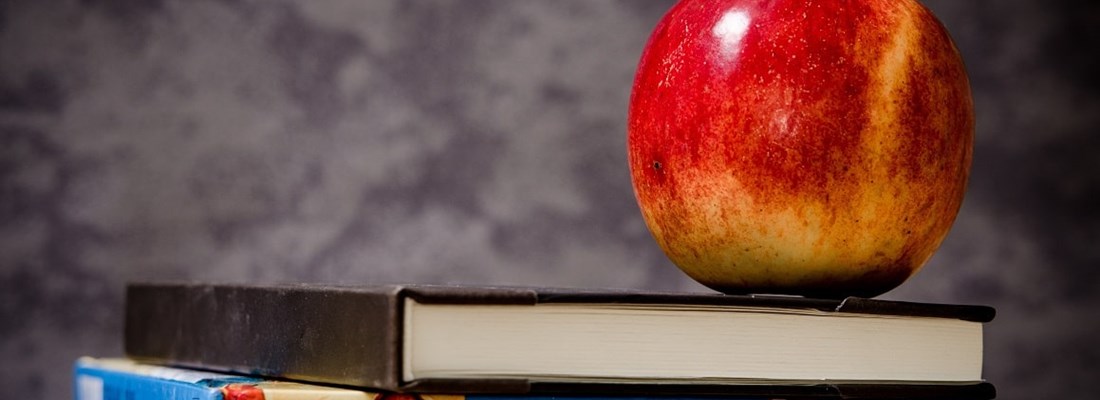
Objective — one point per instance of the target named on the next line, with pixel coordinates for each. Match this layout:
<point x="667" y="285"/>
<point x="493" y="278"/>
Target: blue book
<point x="121" y="379"/>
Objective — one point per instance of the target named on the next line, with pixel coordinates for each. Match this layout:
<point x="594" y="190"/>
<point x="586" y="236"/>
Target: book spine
<point x="325" y="335"/>
<point x="98" y="384"/>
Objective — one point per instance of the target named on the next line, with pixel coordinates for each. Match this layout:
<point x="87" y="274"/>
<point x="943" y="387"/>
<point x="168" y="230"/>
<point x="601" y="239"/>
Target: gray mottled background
<point x="463" y="141"/>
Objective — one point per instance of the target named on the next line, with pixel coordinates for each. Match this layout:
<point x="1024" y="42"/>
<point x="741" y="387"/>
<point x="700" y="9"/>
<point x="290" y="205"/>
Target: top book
<point x="462" y="339"/>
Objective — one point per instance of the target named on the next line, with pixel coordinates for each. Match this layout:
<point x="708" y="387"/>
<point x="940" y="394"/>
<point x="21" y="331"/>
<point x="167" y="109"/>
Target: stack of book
<point x="198" y="341"/>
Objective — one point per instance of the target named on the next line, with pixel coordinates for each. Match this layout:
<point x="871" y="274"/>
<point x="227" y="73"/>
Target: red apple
<point x="818" y="148"/>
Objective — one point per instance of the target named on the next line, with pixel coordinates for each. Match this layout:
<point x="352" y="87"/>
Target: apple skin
<point x="816" y="148"/>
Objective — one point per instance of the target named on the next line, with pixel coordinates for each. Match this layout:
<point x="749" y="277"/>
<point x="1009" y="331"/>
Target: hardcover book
<point x="124" y="379"/>
<point x="446" y="339"/>
<point x="121" y="379"/>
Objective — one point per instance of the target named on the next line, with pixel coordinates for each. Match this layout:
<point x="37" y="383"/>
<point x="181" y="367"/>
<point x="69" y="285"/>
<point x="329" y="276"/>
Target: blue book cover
<point x="120" y="379"/>
<point x="123" y="379"/>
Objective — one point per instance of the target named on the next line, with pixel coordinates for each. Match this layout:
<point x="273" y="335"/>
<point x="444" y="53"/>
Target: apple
<point x="816" y="148"/>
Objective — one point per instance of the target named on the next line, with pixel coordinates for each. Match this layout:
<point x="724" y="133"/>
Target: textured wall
<point x="462" y="141"/>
